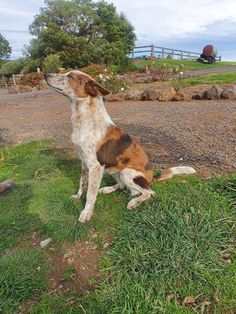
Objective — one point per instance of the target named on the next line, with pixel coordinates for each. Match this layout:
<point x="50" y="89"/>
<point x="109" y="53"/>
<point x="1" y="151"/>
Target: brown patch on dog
<point x="141" y="181"/>
<point x="119" y="151"/>
<point x="84" y="85"/>
<point x="109" y="152"/>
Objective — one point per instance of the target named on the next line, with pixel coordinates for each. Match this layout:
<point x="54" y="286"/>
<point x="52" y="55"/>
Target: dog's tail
<point x="169" y="173"/>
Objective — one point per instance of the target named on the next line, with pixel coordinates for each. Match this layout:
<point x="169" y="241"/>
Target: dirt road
<point x="198" y="133"/>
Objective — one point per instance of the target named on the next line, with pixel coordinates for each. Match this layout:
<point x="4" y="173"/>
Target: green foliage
<point x="52" y="63"/>
<point x="13" y="67"/>
<point x="5" y="49"/>
<point x="22" y="276"/>
<point x="104" y="75"/>
<point x="31" y="65"/>
<point x="81" y="32"/>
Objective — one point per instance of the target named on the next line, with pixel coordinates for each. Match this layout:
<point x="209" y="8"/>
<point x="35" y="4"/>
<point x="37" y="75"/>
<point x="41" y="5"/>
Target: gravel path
<point x="198" y="133"/>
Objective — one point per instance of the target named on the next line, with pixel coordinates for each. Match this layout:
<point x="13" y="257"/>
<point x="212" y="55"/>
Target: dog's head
<point x="75" y="84"/>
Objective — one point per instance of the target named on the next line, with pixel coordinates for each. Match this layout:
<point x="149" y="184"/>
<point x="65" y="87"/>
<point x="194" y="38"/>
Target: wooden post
<point x="133" y="54"/>
<point x="172" y="54"/>
<point x="182" y="55"/>
<point x="14" y="79"/>
<point x="152" y="51"/>
<point x="38" y="70"/>
<point x="162" y="53"/>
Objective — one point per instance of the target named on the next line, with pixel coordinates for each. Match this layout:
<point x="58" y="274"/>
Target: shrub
<point x="104" y="75"/>
<point x="32" y="65"/>
<point x="52" y="63"/>
<point x="32" y="79"/>
<point x="13" y="67"/>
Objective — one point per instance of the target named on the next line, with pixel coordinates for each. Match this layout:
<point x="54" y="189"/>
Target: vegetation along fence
<point x="162" y="52"/>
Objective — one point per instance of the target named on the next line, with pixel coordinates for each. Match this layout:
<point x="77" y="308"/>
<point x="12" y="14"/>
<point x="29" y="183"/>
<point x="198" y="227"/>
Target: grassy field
<point x="220" y="78"/>
<point x="174" y="254"/>
<point x="188" y="64"/>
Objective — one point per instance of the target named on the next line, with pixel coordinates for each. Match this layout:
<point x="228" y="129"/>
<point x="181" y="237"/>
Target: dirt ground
<point x="197" y="133"/>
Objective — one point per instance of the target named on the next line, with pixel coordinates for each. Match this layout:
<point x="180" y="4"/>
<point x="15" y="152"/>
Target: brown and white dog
<point x="102" y="146"/>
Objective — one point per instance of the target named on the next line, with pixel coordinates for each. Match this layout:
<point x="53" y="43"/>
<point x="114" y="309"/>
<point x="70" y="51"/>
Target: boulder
<point x="213" y="93"/>
<point x="114" y="97"/>
<point x="6" y="185"/>
<point x="150" y="93"/>
<point x="168" y="95"/>
<point x="133" y="95"/>
<point x="198" y="95"/>
<point x="229" y="93"/>
<point x="182" y="96"/>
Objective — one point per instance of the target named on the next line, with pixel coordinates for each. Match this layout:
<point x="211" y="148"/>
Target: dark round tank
<point x="210" y="51"/>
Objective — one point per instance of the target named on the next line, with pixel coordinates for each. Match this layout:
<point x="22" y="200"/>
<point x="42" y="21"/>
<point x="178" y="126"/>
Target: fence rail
<point x="163" y="52"/>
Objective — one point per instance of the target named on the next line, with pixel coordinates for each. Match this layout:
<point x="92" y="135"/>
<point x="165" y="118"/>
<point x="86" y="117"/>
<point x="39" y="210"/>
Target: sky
<point x="178" y="24"/>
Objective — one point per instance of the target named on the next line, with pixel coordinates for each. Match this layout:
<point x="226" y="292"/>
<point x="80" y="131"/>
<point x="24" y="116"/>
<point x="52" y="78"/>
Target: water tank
<point x="210" y="51"/>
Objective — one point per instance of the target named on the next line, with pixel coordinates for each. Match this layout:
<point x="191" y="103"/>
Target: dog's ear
<point x="94" y="89"/>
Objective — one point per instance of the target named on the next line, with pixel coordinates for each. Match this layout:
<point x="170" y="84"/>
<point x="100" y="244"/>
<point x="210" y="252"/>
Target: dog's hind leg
<point x="137" y="184"/>
<point x="94" y="180"/>
<point x="109" y="189"/>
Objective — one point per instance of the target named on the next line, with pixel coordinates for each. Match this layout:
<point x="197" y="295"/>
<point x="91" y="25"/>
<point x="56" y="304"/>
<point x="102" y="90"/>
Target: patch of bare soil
<point x="198" y="133"/>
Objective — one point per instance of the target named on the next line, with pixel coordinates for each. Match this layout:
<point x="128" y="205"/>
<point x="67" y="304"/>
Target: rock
<point x="115" y="97"/>
<point x="142" y="79"/>
<point x="229" y="93"/>
<point x="182" y="96"/>
<point x="213" y="93"/>
<point x="168" y="95"/>
<point x="45" y="243"/>
<point x="198" y="95"/>
<point x="133" y="95"/>
<point x="150" y="93"/>
<point x="6" y="185"/>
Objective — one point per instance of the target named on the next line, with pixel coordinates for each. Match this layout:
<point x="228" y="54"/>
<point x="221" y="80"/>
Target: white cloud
<point x="165" y="18"/>
<point x="186" y="24"/>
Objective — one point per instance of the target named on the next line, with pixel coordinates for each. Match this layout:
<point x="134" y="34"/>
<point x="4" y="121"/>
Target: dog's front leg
<point x="83" y="184"/>
<point x="94" y="179"/>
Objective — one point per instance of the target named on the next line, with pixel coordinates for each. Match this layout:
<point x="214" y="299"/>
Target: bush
<point x="32" y="79"/>
<point x="32" y="65"/>
<point x="13" y="67"/>
<point x="104" y="75"/>
<point x="52" y="63"/>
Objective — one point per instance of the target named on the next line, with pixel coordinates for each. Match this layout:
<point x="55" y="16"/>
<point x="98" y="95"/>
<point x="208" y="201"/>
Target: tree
<point x="81" y="32"/>
<point x="5" y="49"/>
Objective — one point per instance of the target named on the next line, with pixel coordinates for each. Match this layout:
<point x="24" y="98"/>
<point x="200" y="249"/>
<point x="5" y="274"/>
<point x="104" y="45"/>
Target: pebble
<point x="45" y="243"/>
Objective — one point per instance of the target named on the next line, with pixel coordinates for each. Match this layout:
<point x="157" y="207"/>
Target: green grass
<point x="220" y="78"/>
<point x="188" y="65"/>
<point x="170" y="245"/>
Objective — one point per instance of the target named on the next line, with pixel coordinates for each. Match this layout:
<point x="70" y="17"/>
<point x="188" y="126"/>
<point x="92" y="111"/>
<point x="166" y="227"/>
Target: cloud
<point x="178" y="24"/>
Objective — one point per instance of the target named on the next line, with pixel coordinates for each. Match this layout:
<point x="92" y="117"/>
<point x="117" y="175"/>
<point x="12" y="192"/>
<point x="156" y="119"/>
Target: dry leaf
<point x="189" y="300"/>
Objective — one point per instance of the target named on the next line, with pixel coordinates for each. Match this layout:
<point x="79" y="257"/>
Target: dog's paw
<point x="132" y="204"/>
<point x="85" y="216"/>
<point x="76" y="196"/>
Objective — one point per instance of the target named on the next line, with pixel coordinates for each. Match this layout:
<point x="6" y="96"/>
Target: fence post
<point x="162" y="53"/>
<point x="14" y="79"/>
<point x="38" y="70"/>
<point x="182" y="56"/>
<point x="133" y="54"/>
<point x="152" y="51"/>
<point x="172" y="54"/>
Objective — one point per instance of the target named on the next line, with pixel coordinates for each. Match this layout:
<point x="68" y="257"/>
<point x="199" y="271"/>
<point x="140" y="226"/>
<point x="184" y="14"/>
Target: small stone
<point x="106" y="245"/>
<point x="45" y="243"/>
<point x="38" y="268"/>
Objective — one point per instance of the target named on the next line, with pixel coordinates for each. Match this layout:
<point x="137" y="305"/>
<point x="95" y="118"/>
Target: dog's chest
<point x="88" y="126"/>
